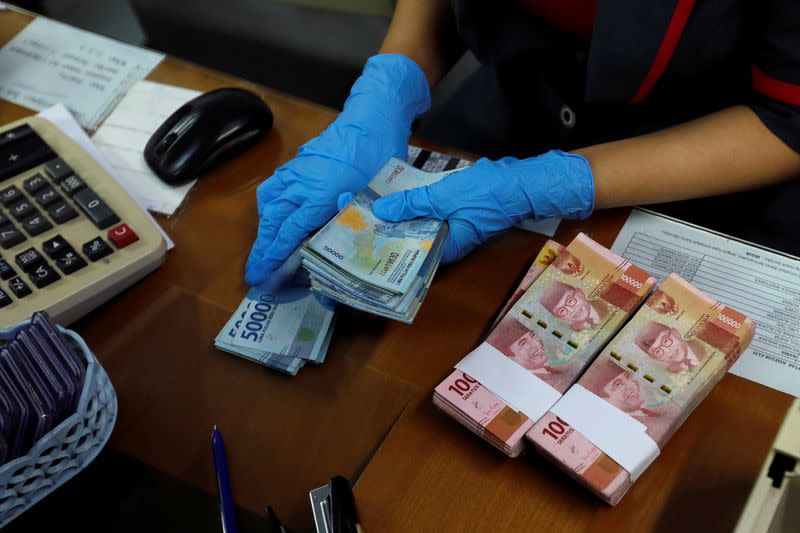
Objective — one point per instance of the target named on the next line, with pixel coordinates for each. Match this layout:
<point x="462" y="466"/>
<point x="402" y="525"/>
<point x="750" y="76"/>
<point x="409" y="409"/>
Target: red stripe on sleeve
<point x="785" y="92"/>
<point x="674" y="31"/>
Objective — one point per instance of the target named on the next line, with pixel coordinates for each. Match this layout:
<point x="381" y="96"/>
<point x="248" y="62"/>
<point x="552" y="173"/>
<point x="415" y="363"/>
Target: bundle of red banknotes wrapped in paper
<point x="590" y="377"/>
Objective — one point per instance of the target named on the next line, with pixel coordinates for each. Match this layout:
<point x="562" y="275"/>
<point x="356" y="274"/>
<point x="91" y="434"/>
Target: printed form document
<point x="761" y="283"/>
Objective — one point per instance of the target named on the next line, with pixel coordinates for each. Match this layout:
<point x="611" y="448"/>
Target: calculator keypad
<point x="70" y="262"/>
<point x="68" y="232"/>
<point x="22" y="209"/>
<point x="9" y="195"/>
<point x="96" y="249"/>
<point x="5" y="299"/>
<point x="10" y="236"/>
<point x="6" y="270"/>
<point x="49" y="198"/>
<point x="19" y="288"/>
<point x="43" y="275"/>
<point x="34" y="183"/>
<point x="36" y="224"/>
<point x="95" y="208"/>
<point x="62" y="212"/>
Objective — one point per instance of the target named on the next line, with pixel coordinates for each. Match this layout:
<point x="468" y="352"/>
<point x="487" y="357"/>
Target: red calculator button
<point x="122" y="236"/>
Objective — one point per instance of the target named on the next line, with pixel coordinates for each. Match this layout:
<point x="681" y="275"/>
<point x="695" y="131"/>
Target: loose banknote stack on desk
<point x="282" y="328"/>
<point x="384" y="268"/>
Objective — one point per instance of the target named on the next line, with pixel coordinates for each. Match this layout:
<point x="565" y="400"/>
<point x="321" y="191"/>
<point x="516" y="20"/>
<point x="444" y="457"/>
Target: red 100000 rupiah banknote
<point x="655" y="371"/>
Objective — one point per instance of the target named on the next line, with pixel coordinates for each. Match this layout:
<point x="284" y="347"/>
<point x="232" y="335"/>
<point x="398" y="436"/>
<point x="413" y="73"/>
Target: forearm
<point x="424" y="30"/>
<point x="727" y="151"/>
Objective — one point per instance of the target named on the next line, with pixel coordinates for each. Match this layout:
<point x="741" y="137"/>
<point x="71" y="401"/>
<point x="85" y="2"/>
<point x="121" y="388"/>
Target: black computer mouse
<point x="206" y="131"/>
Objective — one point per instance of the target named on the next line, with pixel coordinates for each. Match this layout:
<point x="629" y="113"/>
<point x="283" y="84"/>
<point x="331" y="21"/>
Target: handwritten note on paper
<point x="49" y="62"/>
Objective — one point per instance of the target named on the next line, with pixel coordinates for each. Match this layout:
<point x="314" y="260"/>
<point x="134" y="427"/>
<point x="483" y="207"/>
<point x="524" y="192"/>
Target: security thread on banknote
<point x="656" y="371"/>
<point x="552" y="332"/>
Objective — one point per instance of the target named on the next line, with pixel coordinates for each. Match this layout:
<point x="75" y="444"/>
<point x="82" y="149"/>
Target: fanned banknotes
<point x="380" y="267"/>
<point x="542" y="344"/>
<point x="642" y="387"/>
<point x="282" y="329"/>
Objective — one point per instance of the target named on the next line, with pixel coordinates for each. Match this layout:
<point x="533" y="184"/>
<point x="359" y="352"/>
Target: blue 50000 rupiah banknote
<point x="380" y="267"/>
<point x="280" y="328"/>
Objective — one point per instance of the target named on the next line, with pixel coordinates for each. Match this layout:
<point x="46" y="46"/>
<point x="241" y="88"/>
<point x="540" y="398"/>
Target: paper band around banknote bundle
<point x="619" y="435"/>
<point x="512" y="383"/>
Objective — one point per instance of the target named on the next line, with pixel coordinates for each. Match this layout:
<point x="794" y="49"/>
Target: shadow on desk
<point x="118" y="493"/>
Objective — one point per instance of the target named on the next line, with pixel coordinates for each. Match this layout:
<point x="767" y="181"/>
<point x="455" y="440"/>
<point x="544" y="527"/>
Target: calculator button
<point x="22" y="155"/>
<point x="5" y="299"/>
<point x="29" y="259"/>
<point x="4" y="220"/>
<point x="15" y="134"/>
<point x="5" y="270"/>
<point x="96" y="249"/>
<point x="61" y="212"/>
<point x="34" y="183"/>
<point x="47" y="197"/>
<point x="10" y="236"/>
<point x="9" y="195"/>
<point x="56" y="247"/>
<point x="122" y="236"/>
<point x="72" y="184"/>
<point x="43" y="275"/>
<point x="70" y="262"/>
<point x="19" y="287"/>
<point x="36" y="224"/>
<point x="57" y="169"/>
<point x="22" y="209"/>
<point x="96" y="209"/>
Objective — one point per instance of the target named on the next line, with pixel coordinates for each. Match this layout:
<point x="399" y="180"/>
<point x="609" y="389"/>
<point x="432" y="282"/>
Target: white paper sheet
<point x="548" y="226"/>
<point x="618" y="434"/>
<point x="763" y="284"/>
<point x="519" y="388"/>
<point x="60" y="117"/>
<point x="49" y="62"/>
<point x="124" y="134"/>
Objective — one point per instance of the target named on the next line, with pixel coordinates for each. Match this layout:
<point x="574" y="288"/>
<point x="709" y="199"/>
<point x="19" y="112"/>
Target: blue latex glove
<point x="491" y="196"/>
<point x="373" y="127"/>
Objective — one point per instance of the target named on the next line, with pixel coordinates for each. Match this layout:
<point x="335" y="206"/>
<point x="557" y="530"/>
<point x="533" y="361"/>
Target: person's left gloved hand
<point x="491" y="196"/>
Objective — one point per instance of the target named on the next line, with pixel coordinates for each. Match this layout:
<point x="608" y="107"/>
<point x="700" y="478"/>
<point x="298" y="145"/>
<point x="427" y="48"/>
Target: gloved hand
<point x="373" y="127"/>
<point x="491" y="196"/>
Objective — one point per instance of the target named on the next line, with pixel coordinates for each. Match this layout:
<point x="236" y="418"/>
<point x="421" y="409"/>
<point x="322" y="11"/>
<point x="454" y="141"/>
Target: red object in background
<point x="122" y="236"/>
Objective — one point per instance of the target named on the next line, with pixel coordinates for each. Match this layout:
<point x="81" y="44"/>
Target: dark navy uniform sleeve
<point x="776" y="70"/>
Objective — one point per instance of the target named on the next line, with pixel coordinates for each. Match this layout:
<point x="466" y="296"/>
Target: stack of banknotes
<point x="540" y="346"/>
<point x="380" y="267"/>
<point x="652" y="375"/>
<point x="282" y="328"/>
<point x="41" y="381"/>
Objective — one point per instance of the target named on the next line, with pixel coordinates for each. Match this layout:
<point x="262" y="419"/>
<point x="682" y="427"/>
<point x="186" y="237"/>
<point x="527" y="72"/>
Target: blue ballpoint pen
<point x="226" y="508"/>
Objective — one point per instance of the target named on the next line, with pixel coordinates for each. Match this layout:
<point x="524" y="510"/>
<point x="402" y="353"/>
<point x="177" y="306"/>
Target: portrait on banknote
<point x="521" y="345"/>
<point x="666" y="345"/>
<point x="570" y="305"/>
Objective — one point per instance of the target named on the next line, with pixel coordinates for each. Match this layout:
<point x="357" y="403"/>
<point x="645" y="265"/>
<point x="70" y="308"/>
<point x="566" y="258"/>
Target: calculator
<point x="70" y="236"/>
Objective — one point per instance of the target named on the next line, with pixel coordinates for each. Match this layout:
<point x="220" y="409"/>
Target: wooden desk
<point x="366" y="412"/>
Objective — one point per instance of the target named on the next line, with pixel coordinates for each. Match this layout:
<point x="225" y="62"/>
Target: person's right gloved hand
<point x="373" y="127"/>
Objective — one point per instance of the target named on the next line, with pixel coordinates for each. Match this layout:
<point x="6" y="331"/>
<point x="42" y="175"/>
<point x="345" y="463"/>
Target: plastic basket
<point x="67" y="448"/>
